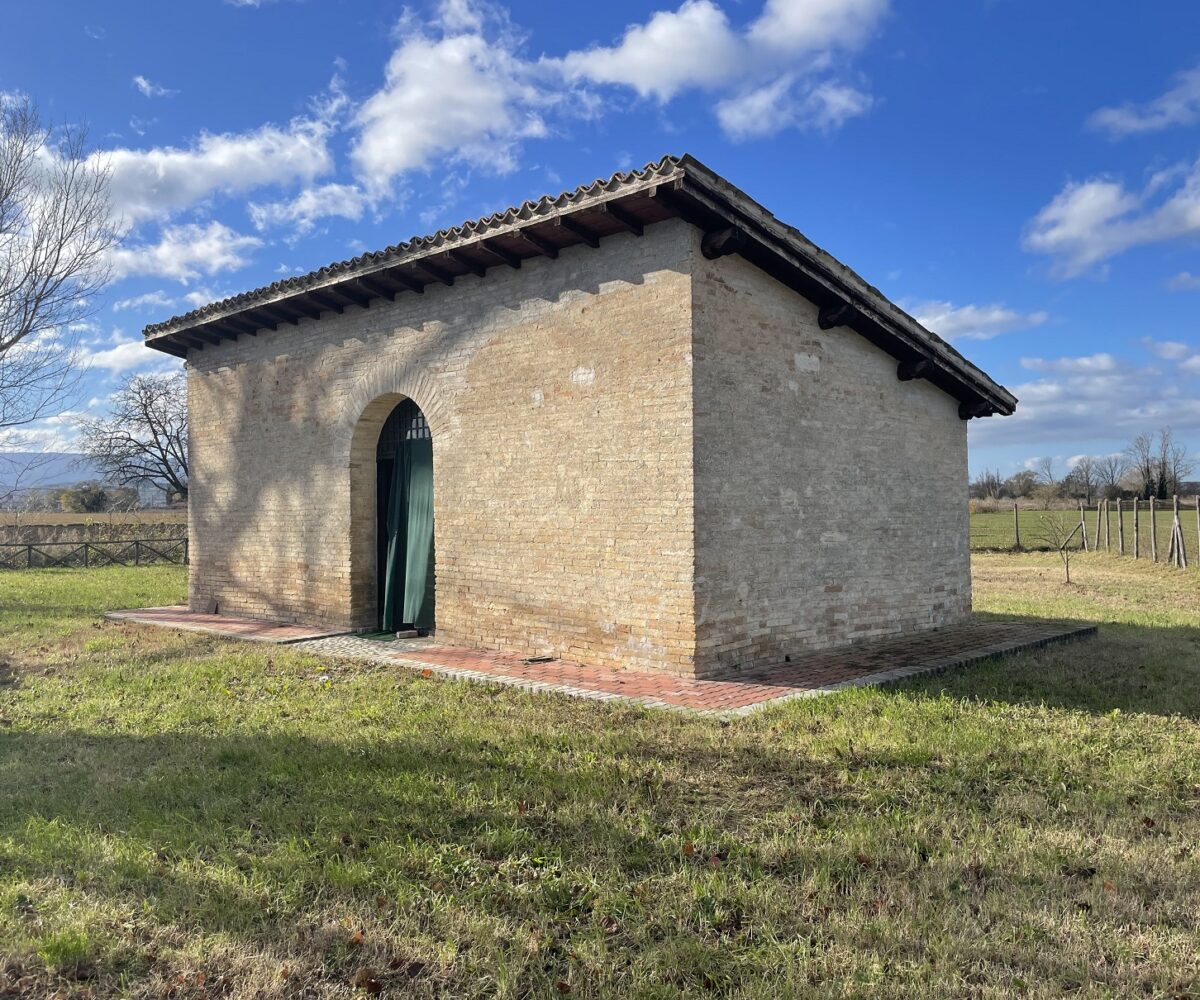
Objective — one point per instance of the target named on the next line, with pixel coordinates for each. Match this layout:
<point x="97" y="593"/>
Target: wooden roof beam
<point x="836" y="314"/>
<point x="906" y="371"/>
<point x="378" y="288"/>
<point x="345" y="291"/>
<point x="473" y="266"/>
<point x="435" y="272"/>
<point x="542" y="246"/>
<point x="978" y="408"/>
<point x="623" y="216"/>
<point x="403" y="280"/>
<point x="509" y="258"/>
<point x="328" y="303"/>
<point x="590" y="237"/>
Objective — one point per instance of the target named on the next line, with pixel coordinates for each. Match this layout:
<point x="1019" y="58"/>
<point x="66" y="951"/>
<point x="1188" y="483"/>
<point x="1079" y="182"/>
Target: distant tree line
<point x="1153" y="465"/>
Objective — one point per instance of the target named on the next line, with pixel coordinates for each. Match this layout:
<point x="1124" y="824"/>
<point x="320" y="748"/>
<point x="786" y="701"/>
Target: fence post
<point x="85" y="555"/>
<point x="1016" y="527"/>
<point x="1153" y="531"/>
<point x="1096" y="542"/>
<point x="1120" y="529"/>
<point x="1137" y="538"/>
<point x="185" y="551"/>
<point x="1082" y="528"/>
<point x="1107" y="529"/>
<point x="29" y="557"/>
<point x="137" y="553"/>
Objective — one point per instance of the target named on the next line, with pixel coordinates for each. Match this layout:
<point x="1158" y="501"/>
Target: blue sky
<point x="1023" y="177"/>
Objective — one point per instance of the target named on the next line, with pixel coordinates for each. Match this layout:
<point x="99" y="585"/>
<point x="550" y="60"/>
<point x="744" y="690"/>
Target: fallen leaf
<point x="563" y="987"/>
<point x="381" y="901"/>
<point x="715" y="861"/>
<point x="356" y="940"/>
<point x="689" y="849"/>
<point x="1109" y="887"/>
<point x="365" y="980"/>
<point x="522" y="807"/>
<point x="1148" y="823"/>
<point x="864" y="861"/>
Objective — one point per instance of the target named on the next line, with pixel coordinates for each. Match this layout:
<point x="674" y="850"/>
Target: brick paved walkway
<point x="229" y="626"/>
<point x="806" y="676"/>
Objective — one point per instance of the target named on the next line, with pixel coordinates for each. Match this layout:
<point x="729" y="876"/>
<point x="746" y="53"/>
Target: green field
<point x="994" y="531"/>
<point x="182" y="816"/>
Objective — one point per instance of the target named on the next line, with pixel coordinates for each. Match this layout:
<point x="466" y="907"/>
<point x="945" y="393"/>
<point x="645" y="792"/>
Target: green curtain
<point x="397" y="549"/>
<point x="408" y="584"/>
<point x="418" y="576"/>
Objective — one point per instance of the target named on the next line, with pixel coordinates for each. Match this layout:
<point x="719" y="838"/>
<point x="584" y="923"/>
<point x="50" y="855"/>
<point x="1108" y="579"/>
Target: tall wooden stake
<point x="1107" y="529"/>
<point x="1096" y="543"/>
<point x="1153" y="532"/>
<point x="1180" y="548"/>
<point x="1120" y="529"/>
<point x="1137" y="538"/>
<point x="1082" y="528"/>
<point x="1016" y="527"/>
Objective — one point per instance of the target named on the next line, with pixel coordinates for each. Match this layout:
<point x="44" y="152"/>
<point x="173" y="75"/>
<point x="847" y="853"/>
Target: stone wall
<point x="560" y="400"/>
<point x="829" y="495"/>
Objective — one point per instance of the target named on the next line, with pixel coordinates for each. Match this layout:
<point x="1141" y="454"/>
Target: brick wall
<point x="559" y="397"/>
<point x="573" y="437"/>
<point x="830" y="496"/>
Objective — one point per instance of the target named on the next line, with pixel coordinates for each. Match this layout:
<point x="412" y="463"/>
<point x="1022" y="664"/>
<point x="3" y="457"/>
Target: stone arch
<point x="368" y="406"/>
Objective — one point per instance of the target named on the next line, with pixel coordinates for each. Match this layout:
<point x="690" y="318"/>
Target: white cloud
<point x="1169" y="350"/>
<point x="1081" y="400"/>
<point x="816" y="25"/>
<point x="971" y="322"/>
<point x="186" y="252"/>
<point x="463" y="96"/>
<point x="1191" y="365"/>
<point x="1178" y="106"/>
<point x="693" y="46"/>
<point x="777" y="105"/>
<point x="771" y="68"/>
<point x="1184" y="281"/>
<point x="346" y="201"/>
<point x="150" y="89"/>
<point x="125" y="354"/>
<point x="1091" y="364"/>
<point x="153" y="183"/>
<point x="1089" y="221"/>
<point x="151" y="300"/>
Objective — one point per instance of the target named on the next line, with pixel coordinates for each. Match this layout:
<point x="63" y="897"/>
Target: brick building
<point x="643" y="423"/>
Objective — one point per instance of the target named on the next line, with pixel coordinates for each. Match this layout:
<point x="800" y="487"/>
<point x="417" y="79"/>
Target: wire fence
<point x="83" y="555"/>
<point x="1139" y="532"/>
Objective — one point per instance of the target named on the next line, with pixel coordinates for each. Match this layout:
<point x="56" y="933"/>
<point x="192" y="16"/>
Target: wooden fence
<point x="134" y="552"/>
<point x="1161" y="531"/>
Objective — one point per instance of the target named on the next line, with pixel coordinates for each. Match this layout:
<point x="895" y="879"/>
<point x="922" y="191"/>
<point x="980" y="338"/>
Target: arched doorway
<point x="404" y="512"/>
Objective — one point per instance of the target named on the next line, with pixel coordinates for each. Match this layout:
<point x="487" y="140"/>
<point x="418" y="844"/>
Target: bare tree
<point x="1082" y="478"/>
<point x="1173" y="463"/>
<point x="987" y="485"/>
<point x="1110" y="470"/>
<point x="1045" y="471"/>
<point x="1160" y="463"/>
<point x="1056" y="531"/>
<point x="144" y="439"/>
<point x="55" y="234"/>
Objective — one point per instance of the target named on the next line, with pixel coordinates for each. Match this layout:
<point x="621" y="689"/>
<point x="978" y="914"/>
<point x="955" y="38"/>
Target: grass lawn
<point x="190" y="817"/>
<point x="993" y="530"/>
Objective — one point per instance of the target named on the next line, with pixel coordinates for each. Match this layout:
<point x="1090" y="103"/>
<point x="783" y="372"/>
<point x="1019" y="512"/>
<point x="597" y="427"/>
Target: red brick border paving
<point x="228" y="626"/>
<point x="812" y="674"/>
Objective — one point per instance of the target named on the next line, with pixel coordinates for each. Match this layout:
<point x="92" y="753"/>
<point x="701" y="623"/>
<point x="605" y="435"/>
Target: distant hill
<point x="30" y="470"/>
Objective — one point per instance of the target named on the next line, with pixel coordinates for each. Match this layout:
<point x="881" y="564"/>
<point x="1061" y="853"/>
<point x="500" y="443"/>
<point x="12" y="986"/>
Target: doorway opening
<point x="404" y="512"/>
